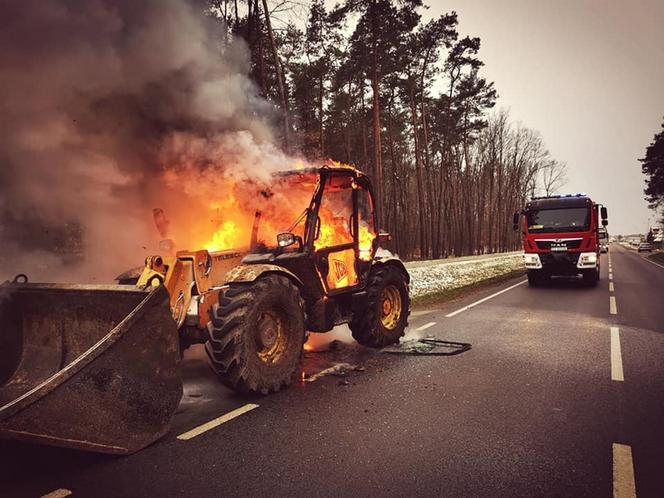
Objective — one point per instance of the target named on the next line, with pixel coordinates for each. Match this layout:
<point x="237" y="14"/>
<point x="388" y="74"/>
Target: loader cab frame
<point x="343" y="260"/>
<point x="344" y="264"/>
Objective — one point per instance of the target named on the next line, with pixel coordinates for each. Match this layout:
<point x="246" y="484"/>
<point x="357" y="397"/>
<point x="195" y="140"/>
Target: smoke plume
<point x="109" y="109"/>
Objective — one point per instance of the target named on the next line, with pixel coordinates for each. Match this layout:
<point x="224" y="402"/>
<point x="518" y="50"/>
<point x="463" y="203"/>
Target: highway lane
<point x="531" y="410"/>
<point x="639" y="290"/>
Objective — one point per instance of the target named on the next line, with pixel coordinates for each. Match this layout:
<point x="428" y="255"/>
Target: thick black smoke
<point x="99" y="99"/>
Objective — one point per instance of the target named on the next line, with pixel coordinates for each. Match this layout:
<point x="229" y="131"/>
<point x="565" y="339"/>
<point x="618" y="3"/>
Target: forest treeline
<point x="652" y="166"/>
<point x="370" y="83"/>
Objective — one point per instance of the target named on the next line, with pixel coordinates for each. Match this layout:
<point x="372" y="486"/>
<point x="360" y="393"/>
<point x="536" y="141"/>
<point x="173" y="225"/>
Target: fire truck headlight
<point x="532" y="261"/>
<point x="587" y="260"/>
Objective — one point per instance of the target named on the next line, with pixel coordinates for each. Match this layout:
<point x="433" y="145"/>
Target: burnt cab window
<point x="335" y="213"/>
<point x="558" y="220"/>
<point x="366" y="227"/>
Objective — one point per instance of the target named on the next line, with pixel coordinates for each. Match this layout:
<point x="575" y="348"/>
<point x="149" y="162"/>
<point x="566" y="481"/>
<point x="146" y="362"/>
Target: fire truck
<point x="561" y="237"/>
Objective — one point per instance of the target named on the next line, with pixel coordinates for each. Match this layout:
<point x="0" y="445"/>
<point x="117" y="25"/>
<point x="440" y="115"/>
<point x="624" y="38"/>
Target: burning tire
<point x="256" y="334"/>
<point x="388" y="305"/>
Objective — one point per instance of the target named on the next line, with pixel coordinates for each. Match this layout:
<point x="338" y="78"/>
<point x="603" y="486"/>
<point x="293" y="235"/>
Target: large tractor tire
<point x="388" y="305"/>
<point x="256" y="334"/>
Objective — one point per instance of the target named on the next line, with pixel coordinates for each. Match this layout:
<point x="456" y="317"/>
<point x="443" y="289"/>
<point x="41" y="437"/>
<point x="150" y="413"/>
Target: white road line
<point x="656" y="264"/>
<point x="216" y="422"/>
<point x="623" y="472"/>
<point x="426" y="326"/>
<point x="610" y="276"/>
<point x="613" y="309"/>
<point x="449" y="315"/>
<point x="611" y="287"/>
<point x="421" y="312"/>
<point x="58" y="493"/>
<point x="616" y="356"/>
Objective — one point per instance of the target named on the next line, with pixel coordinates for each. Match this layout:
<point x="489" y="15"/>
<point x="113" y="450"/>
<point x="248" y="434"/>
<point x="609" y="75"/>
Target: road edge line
<point x="652" y="262"/>
<point x="472" y="305"/>
<point x="197" y="431"/>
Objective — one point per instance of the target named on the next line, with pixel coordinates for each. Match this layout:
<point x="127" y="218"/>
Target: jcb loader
<point x="97" y="367"/>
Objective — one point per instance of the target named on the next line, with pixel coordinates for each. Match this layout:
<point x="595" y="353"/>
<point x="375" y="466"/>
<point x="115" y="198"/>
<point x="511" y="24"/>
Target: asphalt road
<point x="542" y="405"/>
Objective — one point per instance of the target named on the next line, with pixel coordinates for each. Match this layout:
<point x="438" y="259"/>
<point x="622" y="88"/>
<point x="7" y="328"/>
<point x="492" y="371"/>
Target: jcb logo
<point x="340" y="270"/>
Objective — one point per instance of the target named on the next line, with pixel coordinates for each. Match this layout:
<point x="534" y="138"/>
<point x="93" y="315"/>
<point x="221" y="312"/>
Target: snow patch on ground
<point x="432" y="277"/>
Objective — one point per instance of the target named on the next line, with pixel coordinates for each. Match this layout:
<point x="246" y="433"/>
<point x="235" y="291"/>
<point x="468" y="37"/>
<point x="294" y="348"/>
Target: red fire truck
<point x="561" y="237"/>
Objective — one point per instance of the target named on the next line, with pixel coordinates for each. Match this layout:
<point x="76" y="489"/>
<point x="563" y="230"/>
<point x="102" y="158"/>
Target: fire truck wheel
<point x="535" y="279"/>
<point x="388" y="305"/>
<point x="591" y="277"/>
<point x="256" y="334"/>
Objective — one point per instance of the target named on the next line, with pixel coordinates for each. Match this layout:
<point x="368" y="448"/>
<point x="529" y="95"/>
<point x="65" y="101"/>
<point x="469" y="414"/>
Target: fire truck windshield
<point x="558" y="220"/>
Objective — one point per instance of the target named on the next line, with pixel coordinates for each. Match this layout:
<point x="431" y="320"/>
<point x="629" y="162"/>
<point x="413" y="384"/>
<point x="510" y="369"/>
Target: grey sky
<point x="589" y="75"/>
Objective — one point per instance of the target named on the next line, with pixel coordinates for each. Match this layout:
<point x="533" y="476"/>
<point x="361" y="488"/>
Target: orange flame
<point x="366" y="242"/>
<point x="333" y="232"/>
<point x="227" y="237"/>
<point x="217" y="212"/>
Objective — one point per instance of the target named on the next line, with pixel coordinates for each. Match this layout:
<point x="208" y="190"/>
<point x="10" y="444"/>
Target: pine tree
<point x="653" y="167"/>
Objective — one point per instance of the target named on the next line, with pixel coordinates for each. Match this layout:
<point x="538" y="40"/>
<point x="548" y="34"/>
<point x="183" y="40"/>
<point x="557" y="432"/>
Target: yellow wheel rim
<point x="270" y="337"/>
<point x="390" y="307"/>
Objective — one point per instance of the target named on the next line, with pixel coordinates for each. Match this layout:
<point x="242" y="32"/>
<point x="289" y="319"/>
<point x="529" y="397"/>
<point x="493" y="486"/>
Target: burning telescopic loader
<point x="97" y="367"/>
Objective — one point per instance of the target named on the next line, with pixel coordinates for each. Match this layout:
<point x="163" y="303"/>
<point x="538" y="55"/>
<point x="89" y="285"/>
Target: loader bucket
<point x="91" y="367"/>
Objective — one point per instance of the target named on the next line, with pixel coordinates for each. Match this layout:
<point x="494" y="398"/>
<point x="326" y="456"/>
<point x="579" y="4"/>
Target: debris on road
<point x="338" y="370"/>
<point x="429" y="346"/>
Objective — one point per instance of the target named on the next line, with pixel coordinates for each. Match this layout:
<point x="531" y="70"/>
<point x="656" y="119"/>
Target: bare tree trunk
<point x="365" y="152"/>
<point x="433" y="213"/>
<point x="250" y="23"/>
<point x="346" y="128"/>
<point x="394" y="226"/>
<point x="261" y="66"/>
<point x="365" y="145"/>
<point x="321" y="90"/>
<point x="420" y="183"/>
<point x="430" y="183"/>
<point x="280" y="77"/>
<point x="375" y="85"/>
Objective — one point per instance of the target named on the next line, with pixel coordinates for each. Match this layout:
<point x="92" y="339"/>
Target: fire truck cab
<point x="561" y="237"/>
